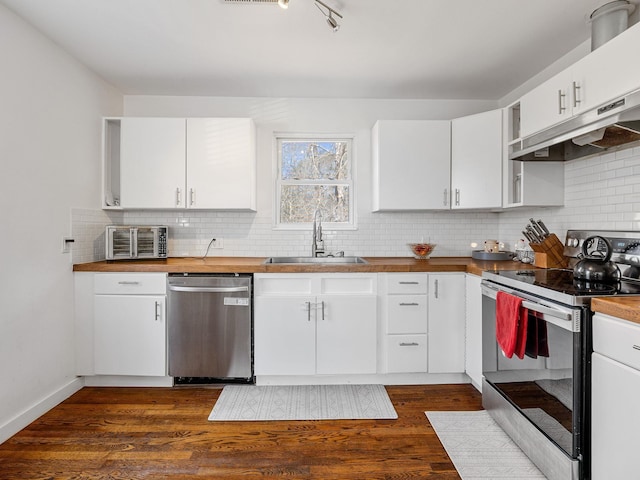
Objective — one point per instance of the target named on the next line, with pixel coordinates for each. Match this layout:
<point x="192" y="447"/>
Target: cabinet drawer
<point x="407" y="314"/>
<point x="406" y="353"/>
<point x="130" y="283"/>
<point x="406" y="284"/>
<point x="617" y="339"/>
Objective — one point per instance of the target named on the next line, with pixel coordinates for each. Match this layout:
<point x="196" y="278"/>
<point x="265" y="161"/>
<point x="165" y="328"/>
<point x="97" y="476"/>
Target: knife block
<point x="549" y="253"/>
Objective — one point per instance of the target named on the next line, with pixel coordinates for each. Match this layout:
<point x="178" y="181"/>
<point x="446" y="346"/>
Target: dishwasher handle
<point x="178" y="288"/>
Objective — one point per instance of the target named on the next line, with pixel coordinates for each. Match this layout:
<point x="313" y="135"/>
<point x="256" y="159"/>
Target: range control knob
<point x="572" y="242"/>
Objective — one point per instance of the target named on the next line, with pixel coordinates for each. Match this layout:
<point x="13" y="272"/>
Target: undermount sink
<point x="332" y="260"/>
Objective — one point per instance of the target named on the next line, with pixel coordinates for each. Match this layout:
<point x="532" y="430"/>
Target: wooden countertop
<point x="627" y="308"/>
<point x="257" y="265"/>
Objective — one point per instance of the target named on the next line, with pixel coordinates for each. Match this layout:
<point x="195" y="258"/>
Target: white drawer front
<point x="410" y="283"/>
<point x="407" y="314"/>
<point x="130" y="283"/>
<point x="617" y="339"/>
<point x="406" y="353"/>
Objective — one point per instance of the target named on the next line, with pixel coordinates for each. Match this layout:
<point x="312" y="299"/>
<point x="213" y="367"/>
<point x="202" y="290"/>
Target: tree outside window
<point x="314" y="175"/>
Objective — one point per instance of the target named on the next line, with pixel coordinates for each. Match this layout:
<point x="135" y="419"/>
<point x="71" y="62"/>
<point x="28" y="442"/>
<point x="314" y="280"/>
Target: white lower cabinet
<point x="423" y="319"/>
<point x="404" y="319"/>
<point x="446" y="322"/>
<point x="121" y="324"/>
<point x="615" y="380"/>
<point x="308" y="324"/>
<point x="130" y="335"/>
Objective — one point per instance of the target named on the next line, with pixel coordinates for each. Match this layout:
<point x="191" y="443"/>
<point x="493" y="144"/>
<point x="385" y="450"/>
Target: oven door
<point x="546" y="386"/>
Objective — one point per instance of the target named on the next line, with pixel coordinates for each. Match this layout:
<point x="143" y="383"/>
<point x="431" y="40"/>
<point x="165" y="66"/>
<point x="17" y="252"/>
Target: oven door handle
<point x="566" y="320"/>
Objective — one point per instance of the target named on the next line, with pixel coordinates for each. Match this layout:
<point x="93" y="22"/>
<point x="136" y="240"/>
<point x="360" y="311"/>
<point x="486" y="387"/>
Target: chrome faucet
<point x="317" y="245"/>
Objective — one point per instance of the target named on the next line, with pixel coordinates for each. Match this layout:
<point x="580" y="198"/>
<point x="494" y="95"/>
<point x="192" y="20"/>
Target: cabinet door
<point x="546" y="105"/>
<point x="446" y="323"/>
<point x="476" y="161"/>
<point x="130" y="335"/>
<point x="607" y="72"/>
<point x="473" y="343"/>
<point x="411" y="165"/>
<point x="615" y="419"/>
<point x="284" y="335"/>
<point x="152" y="162"/>
<point x="221" y="163"/>
<point x="346" y="334"/>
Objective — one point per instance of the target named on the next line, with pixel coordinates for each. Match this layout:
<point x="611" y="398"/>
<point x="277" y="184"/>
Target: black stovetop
<point x="560" y="285"/>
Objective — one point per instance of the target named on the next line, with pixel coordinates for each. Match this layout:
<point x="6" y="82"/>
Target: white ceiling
<point x="464" y="49"/>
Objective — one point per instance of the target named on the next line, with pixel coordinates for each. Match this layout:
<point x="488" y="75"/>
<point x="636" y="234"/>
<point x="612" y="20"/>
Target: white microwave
<point x="136" y="242"/>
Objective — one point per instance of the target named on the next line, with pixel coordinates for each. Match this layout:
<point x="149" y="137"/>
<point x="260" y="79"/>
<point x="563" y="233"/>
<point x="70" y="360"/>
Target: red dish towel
<point x="511" y="324"/>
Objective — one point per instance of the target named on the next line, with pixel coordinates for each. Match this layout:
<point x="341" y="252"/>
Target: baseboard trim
<point x="35" y="411"/>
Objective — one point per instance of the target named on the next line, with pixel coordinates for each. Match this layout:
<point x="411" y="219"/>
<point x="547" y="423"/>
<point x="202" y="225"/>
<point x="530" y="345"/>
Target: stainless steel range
<point x="541" y="395"/>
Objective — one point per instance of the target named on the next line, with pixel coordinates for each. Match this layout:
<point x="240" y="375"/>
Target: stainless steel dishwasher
<point x="210" y="328"/>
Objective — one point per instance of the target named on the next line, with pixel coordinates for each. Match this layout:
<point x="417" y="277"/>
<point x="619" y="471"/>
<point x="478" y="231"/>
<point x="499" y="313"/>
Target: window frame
<point x="280" y="137"/>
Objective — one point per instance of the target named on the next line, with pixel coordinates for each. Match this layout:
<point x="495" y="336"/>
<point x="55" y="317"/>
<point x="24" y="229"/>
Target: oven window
<point x="543" y="384"/>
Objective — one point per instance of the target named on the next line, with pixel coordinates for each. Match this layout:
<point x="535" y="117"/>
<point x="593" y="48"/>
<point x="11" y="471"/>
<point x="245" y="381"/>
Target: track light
<point x="331" y="21"/>
<point x="283" y="4"/>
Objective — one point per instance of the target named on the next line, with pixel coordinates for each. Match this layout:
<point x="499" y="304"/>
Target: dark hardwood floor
<point x="163" y="433"/>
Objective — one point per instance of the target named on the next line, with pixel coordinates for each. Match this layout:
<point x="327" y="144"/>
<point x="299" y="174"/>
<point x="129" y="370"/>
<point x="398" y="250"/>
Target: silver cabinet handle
<point x="409" y="344"/>
<point x="457" y="197"/>
<point x="561" y="107"/>
<point x="636" y="347"/>
<point x="435" y="292"/>
<point x="322" y="310"/>
<point x="408" y="283"/>
<point x="408" y="304"/>
<point x="157" y="311"/>
<point x="128" y="283"/>
<point x="308" y="311"/>
<point x="192" y="197"/>
<point x="576" y="99"/>
<point x="445" y="199"/>
<point x="178" y="197"/>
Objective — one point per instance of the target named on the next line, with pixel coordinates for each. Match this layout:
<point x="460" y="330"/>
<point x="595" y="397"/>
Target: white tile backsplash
<point x="87" y="230"/>
<point x="600" y="193"/>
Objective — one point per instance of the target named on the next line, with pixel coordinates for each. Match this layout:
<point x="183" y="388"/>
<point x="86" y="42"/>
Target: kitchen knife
<point x="537" y="229"/>
<point x="544" y="227"/>
<point x="533" y="234"/>
<point x="527" y="236"/>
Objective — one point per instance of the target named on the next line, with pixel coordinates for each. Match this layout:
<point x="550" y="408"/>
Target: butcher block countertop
<point x="627" y="308"/>
<point x="257" y="265"/>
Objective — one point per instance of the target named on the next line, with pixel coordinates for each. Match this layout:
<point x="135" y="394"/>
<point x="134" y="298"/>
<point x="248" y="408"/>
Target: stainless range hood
<point x="614" y="125"/>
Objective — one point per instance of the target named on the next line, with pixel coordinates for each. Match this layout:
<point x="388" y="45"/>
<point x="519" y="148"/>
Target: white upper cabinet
<point x="546" y="104"/>
<point x="476" y="161"/>
<point x="152" y="169"/>
<point x="411" y="164"/>
<point x="221" y="163"/>
<point x="596" y="79"/>
<point x="204" y="163"/>
<point x="611" y="70"/>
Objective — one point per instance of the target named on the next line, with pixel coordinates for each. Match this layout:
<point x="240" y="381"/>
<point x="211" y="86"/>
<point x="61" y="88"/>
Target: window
<point x="315" y="174"/>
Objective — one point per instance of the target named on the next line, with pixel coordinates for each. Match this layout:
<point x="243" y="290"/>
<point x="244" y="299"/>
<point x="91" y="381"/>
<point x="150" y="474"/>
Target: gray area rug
<point x="303" y="402"/>
<point x="480" y="449"/>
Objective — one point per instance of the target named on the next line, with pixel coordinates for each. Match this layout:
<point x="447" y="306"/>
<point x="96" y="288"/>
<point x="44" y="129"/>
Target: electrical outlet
<point x="217" y="243"/>
<point x="67" y="242"/>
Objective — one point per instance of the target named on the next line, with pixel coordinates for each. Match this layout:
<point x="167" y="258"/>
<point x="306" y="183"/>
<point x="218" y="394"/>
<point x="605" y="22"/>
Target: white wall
<point x="49" y="156"/>
<point x="252" y="233"/>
